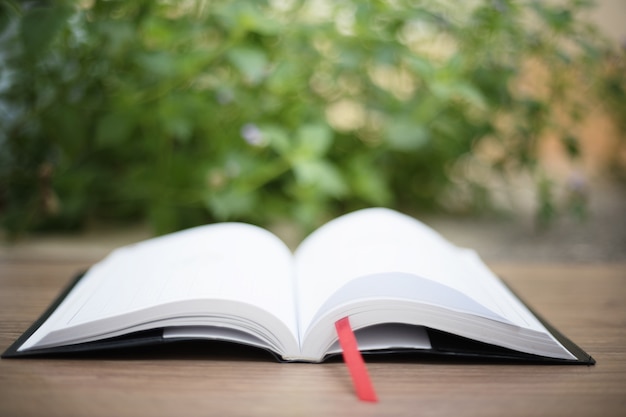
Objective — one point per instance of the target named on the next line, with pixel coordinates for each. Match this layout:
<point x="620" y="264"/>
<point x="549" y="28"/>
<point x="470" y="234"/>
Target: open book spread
<point x="397" y="280"/>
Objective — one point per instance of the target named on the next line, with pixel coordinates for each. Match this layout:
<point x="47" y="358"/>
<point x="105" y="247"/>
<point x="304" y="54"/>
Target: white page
<point x="388" y="336"/>
<point x="375" y="241"/>
<point x="227" y="261"/>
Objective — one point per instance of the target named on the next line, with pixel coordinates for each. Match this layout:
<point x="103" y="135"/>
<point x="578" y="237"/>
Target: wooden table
<point x="586" y="302"/>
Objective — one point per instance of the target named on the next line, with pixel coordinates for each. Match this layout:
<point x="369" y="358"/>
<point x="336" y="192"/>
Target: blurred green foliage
<point x="186" y="112"/>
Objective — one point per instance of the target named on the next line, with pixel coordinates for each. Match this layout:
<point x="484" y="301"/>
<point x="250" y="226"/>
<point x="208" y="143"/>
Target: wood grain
<point x="586" y="302"/>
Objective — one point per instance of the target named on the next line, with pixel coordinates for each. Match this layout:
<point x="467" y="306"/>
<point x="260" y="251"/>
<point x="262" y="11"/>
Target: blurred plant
<point x="194" y="111"/>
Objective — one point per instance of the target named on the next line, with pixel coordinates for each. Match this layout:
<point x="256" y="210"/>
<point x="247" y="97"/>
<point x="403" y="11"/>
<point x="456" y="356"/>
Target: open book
<point x="403" y="286"/>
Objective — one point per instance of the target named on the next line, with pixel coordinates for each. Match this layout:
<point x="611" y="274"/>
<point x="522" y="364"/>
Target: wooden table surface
<point x="586" y="302"/>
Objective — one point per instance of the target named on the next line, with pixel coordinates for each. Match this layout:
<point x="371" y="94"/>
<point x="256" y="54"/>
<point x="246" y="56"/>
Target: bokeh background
<point x="501" y="123"/>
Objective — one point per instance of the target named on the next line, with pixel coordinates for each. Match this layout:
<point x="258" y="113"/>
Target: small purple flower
<point x="252" y="134"/>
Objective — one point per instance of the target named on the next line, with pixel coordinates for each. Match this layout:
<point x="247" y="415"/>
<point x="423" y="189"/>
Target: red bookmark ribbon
<point x="354" y="361"/>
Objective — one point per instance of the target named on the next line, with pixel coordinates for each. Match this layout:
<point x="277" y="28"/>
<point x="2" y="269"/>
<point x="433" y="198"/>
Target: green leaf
<point x="368" y="182"/>
<point x="9" y="10"/>
<point x="251" y="62"/>
<point x="13" y="5"/>
<point x="559" y="19"/>
<point x="242" y="17"/>
<point x="162" y="218"/>
<point x="406" y="135"/>
<point x="314" y="139"/>
<point x="284" y="77"/>
<point x="114" y="128"/>
<point x="158" y="31"/>
<point x="471" y="94"/>
<point x="180" y="128"/>
<point x="68" y="124"/>
<point x="231" y="203"/>
<point x="175" y="114"/>
<point x="422" y="66"/>
<point x="160" y="63"/>
<point x="40" y="26"/>
<point x="277" y="138"/>
<point x="119" y="36"/>
<point x="322" y="176"/>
